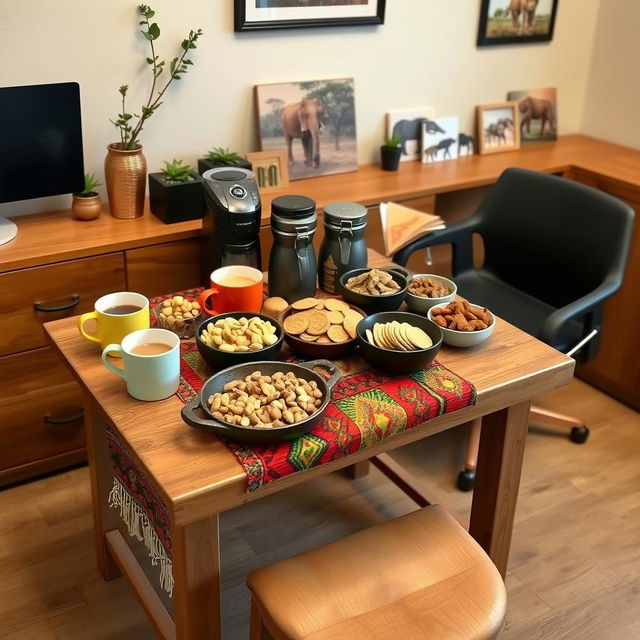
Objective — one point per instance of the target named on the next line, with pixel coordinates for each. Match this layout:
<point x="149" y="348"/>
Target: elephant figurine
<point x="528" y="10"/>
<point x="304" y="120"/>
<point x="537" y="109"/>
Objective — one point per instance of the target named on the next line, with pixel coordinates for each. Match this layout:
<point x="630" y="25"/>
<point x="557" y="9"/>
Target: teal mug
<point x="151" y="359"/>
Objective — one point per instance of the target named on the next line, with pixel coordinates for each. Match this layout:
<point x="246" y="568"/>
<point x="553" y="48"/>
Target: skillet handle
<point x="191" y="418"/>
<point x="327" y="364"/>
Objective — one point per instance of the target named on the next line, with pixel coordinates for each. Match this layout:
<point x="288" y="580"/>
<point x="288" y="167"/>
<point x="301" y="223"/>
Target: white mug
<point x="151" y="359"/>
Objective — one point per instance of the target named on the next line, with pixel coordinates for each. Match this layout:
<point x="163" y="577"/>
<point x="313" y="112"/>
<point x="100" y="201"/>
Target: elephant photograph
<point x="498" y="127"/>
<point x="516" y="21"/>
<point x="314" y="122"/>
<point x="538" y="114"/>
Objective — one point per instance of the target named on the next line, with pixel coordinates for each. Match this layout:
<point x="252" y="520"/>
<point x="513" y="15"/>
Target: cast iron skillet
<point x="249" y="434"/>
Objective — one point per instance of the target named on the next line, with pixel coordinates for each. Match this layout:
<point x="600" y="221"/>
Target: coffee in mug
<point x="151" y="359"/>
<point x="116" y="315"/>
<point x="233" y="288"/>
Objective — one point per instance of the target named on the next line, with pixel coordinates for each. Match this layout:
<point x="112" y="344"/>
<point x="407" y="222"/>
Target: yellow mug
<point x="116" y="315"/>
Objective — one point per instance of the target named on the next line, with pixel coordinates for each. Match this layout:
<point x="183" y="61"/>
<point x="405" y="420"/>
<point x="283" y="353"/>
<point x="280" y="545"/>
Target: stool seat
<point x="420" y="576"/>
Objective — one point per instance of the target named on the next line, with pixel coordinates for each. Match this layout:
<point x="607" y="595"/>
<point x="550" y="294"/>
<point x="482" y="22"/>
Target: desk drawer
<point x="53" y="286"/>
<point x="41" y="413"/>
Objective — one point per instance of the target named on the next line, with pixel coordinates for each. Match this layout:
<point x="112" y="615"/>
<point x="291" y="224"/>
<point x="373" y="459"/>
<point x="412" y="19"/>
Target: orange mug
<point x="233" y="288"/>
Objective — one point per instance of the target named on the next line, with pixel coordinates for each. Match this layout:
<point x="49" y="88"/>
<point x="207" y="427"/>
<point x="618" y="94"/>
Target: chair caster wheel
<point x="579" y="435"/>
<point x="466" y="480"/>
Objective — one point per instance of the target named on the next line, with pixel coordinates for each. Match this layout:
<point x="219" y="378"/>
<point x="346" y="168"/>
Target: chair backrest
<point x="553" y="238"/>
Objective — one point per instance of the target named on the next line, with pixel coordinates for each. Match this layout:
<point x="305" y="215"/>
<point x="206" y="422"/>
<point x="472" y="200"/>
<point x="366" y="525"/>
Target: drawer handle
<point x="74" y="418"/>
<point x="75" y="299"/>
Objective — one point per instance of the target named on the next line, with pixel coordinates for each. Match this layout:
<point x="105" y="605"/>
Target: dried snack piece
<point x="459" y="315"/>
<point x="374" y="282"/>
<point x="428" y="288"/>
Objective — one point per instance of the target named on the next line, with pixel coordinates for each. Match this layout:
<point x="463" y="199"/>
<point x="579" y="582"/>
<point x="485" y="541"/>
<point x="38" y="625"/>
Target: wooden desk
<point x="198" y="477"/>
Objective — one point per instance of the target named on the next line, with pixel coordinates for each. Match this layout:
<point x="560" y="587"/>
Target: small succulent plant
<point x="218" y="155"/>
<point x="90" y="185"/>
<point x="176" y="171"/>
<point x="392" y="141"/>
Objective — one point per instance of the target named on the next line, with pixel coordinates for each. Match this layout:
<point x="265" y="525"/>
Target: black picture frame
<point x="485" y="41"/>
<point x="242" y="23"/>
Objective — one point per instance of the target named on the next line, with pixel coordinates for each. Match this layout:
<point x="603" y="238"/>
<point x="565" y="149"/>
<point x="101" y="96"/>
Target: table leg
<point x="196" y="575"/>
<point x="101" y="477"/>
<point x="497" y="481"/>
<point x="358" y="470"/>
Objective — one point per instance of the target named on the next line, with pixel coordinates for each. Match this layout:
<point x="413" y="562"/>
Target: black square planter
<point x="176" y="201"/>
<point x="205" y="165"/>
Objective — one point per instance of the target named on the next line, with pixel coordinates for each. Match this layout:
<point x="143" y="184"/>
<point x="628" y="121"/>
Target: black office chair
<point x="554" y="250"/>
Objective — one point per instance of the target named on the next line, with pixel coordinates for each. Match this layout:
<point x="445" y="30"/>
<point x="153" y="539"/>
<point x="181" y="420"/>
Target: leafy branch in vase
<point x="126" y="123"/>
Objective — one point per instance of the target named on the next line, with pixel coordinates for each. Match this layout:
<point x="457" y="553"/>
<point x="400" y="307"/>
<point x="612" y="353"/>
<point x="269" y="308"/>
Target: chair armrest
<point x="458" y="235"/>
<point x="575" y="309"/>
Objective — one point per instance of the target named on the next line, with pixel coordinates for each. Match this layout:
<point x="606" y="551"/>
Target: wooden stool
<point x="421" y="576"/>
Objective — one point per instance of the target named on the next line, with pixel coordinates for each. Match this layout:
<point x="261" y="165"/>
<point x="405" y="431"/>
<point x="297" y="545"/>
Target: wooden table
<point x="198" y="477"/>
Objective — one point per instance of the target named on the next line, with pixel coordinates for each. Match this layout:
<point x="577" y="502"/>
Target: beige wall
<point x="424" y="54"/>
<point x="612" y="105"/>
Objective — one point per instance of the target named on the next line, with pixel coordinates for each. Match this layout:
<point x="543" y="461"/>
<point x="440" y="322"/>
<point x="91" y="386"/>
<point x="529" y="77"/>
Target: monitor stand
<point x="8" y="230"/>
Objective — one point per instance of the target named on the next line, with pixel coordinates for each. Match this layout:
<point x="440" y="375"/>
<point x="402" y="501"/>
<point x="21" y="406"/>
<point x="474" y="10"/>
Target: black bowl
<point x="223" y="359"/>
<point x="398" y="362"/>
<point x="374" y="304"/>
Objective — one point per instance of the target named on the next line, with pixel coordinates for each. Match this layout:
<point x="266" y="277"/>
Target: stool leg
<point x="467" y="477"/>
<point x="257" y="630"/>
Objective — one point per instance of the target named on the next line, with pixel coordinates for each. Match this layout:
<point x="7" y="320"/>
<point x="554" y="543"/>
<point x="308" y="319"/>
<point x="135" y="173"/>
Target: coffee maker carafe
<point x="231" y="225"/>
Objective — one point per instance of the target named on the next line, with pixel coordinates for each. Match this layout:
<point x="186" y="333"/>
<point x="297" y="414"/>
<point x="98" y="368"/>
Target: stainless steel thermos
<point x="292" y="262"/>
<point x="343" y="246"/>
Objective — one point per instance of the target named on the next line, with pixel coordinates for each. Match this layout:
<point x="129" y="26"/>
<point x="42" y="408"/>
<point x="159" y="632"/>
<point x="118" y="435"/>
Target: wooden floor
<point x="575" y="561"/>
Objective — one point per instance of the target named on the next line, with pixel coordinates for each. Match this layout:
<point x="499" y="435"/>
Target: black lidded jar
<point x="292" y="261"/>
<point x="343" y="247"/>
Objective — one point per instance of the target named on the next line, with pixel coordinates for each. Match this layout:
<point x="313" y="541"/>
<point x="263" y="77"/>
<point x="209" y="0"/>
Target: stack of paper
<point x="402" y="225"/>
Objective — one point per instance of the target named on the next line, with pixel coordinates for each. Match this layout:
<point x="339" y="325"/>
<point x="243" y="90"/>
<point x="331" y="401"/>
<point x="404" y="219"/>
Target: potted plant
<point x="219" y="157"/>
<point x="176" y="193"/>
<point x="391" y="151"/>
<point x="125" y="166"/>
<point x="86" y="204"/>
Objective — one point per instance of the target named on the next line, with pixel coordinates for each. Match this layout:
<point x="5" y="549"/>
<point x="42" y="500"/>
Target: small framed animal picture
<point x="516" y="21"/>
<point x="439" y="140"/>
<point x="538" y="114"/>
<point x="498" y="127"/>
<point x="406" y="125"/>
<point x="270" y="169"/>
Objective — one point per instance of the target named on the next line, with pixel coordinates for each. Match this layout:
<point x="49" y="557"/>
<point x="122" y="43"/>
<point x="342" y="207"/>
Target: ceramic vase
<point x="125" y="174"/>
<point x="86" y="207"/>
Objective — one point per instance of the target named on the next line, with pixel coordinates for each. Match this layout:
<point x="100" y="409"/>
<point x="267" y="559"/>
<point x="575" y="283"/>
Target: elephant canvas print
<point x="314" y="121"/>
<point x="406" y="124"/>
<point x="516" y="21"/>
<point x="538" y="114"/>
<point x="440" y="140"/>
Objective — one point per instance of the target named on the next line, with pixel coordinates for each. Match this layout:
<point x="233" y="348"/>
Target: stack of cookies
<point x="398" y="336"/>
<point x="322" y="320"/>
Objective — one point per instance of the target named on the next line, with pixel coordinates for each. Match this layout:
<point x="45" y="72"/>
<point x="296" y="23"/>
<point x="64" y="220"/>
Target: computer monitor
<point x="40" y="142"/>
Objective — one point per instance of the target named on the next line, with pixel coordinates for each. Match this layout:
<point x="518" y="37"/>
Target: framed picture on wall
<point x="516" y="21"/>
<point x="498" y="127"/>
<point x="288" y="14"/>
<point x="270" y="169"/>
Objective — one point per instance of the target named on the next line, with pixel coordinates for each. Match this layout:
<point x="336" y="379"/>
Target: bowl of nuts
<point x="463" y="324"/>
<point x="426" y="290"/>
<point x="263" y="402"/>
<point x="321" y="327"/>
<point x="236" y="337"/>
<point x="374" y="290"/>
<point x="178" y="314"/>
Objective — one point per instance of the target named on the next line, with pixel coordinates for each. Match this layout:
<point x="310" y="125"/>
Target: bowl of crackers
<point x="179" y="314"/>
<point x="426" y="290"/>
<point x="374" y="290"/>
<point x="238" y="337"/>
<point x="463" y="324"/>
<point x="321" y="327"/>
<point x="397" y="342"/>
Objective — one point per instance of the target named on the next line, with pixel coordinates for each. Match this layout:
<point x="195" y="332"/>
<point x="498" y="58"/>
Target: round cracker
<point x="400" y="335"/>
<point x="397" y="338"/>
<point x="319" y="306"/>
<point x="333" y="304"/>
<point x="379" y="337"/>
<point x="337" y="334"/>
<point x="350" y="323"/>
<point x="370" y="337"/>
<point x="419" y="338"/>
<point x="304" y="303"/>
<point x="295" y="324"/>
<point x="307" y="337"/>
<point x="404" y="327"/>
<point x="323" y="340"/>
<point x="335" y="317"/>
<point x="318" y="323"/>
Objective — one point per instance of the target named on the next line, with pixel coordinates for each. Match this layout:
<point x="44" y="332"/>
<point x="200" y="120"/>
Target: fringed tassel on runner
<point x="139" y="526"/>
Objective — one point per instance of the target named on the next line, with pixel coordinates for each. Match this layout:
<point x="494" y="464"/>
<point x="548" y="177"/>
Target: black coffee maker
<point x="231" y="225"/>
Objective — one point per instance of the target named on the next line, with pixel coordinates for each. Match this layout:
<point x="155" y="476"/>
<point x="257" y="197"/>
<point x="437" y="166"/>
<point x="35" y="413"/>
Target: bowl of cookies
<point x="463" y="324"/>
<point x="179" y="314"/>
<point x="238" y="337"/>
<point x="426" y="290"/>
<point x="321" y="327"/>
<point x="397" y="342"/>
<point x="374" y="290"/>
